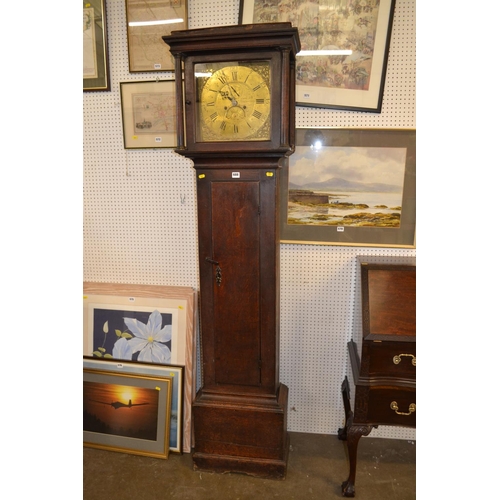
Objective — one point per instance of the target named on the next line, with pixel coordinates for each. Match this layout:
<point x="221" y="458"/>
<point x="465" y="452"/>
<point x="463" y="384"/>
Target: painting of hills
<point x="346" y="186"/>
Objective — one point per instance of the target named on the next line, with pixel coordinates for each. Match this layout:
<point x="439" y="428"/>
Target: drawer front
<point x="385" y="406"/>
<point x="389" y="359"/>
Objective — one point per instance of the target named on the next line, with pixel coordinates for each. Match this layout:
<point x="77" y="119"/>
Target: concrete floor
<point x="317" y="465"/>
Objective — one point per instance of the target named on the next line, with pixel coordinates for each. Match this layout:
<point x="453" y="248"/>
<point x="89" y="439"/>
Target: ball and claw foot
<point x="347" y="489"/>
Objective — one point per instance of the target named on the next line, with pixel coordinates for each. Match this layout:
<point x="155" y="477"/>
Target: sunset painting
<point x="121" y="410"/>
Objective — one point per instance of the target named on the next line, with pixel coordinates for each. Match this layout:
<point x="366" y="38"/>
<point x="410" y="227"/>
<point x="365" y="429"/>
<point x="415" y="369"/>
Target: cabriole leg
<point x="354" y="433"/>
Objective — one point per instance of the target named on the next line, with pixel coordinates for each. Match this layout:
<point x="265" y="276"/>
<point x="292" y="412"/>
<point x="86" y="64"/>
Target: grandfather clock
<point x="236" y="121"/>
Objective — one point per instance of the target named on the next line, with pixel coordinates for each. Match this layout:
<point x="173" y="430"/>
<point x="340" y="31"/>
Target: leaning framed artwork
<point x="147" y="22"/>
<point x="143" y="323"/>
<point x="148" y="114"/>
<point x="126" y="413"/>
<point x="95" y="46"/>
<point x="176" y="373"/>
<point x="344" y="48"/>
<point x="352" y="187"/>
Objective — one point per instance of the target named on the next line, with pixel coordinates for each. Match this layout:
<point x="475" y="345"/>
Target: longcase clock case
<point x="240" y="412"/>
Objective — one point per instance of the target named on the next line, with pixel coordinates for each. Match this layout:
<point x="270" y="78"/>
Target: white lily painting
<point x="139" y="341"/>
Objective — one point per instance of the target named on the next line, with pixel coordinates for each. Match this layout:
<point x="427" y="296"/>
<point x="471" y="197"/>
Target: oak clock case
<point x="236" y="121"/>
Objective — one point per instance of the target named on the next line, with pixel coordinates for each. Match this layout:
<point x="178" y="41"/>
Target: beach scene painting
<point x="346" y="186"/>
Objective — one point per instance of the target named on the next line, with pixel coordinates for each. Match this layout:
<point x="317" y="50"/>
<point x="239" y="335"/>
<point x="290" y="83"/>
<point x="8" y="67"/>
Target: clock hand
<point x="234" y="102"/>
<point x="226" y="95"/>
<point x="233" y="99"/>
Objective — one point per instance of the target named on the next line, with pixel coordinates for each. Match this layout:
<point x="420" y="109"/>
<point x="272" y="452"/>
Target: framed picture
<point x="344" y="48"/>
<point x="127" y="413"/>
<point x="144" y="324"/>
<point x="176" y="373"/>
<point x="95" y="46"/>
<point x="147" y="22"/>
<point x="148" y="114"/>
<point x="352" y="187"/>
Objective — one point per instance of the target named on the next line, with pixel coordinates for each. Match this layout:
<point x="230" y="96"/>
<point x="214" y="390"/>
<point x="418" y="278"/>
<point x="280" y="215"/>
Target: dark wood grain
<point x="240" y="412"/>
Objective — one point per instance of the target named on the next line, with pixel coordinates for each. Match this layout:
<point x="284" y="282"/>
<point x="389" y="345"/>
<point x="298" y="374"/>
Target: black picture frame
<point x="342" y="63"/>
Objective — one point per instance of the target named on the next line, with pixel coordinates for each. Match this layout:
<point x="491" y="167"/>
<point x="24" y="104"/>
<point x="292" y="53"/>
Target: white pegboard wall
<point x="140" y="219"/>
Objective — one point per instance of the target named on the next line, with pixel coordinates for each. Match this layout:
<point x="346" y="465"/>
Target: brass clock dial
<point x="234" y="104"/>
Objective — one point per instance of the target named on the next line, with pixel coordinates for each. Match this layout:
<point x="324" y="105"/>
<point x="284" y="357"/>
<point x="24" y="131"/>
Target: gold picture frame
<point x="176" y="373"/>
<point x="127" y="413"/>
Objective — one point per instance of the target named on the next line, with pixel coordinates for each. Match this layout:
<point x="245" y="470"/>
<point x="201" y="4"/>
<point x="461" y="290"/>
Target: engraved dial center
<point x="235" y="104"/>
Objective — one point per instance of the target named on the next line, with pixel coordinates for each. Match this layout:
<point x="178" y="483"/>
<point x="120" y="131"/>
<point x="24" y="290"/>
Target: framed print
<point x="148" y="114"/>
<point x="95" y="46"/>
<point x="144" y="324"/>
<point x="127" y="413"/>
<point x="176" y="373"/>
<point x="350" y="187"/>
<point x="147" y="22"/>
<point x="344" y="48"/>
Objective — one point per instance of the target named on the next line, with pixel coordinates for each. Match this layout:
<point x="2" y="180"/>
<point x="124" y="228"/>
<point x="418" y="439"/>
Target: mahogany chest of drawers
<point x="383" y="359"/>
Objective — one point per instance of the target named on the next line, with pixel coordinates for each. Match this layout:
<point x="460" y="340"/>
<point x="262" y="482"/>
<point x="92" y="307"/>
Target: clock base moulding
<point x="238" y="434"/>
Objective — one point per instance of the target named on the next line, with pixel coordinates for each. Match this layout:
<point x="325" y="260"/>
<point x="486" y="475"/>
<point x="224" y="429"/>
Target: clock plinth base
<point x="244" y="434"/>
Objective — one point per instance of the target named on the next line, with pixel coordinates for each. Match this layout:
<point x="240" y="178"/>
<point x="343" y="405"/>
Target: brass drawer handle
<point x="397" y="359"/>
<point x="412" y="408"/>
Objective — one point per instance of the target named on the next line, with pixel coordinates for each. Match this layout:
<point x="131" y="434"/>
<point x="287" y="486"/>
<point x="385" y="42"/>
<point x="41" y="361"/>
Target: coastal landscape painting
<point x="343" y="183"/>
<point x="341" y="186"/>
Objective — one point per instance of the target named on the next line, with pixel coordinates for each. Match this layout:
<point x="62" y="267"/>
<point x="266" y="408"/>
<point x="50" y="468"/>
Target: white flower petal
<point x="122" y="349"/>
<point x="138" y="328"/>
<point x="164" y="335"/>
<point x="145" y="354"/>
<point x="137" y="344"/>
<point x="160" y="353"/>
<point x="154" y="322"/>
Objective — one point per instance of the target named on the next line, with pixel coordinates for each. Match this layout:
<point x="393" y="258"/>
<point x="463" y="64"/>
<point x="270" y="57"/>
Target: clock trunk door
<point x="235" y="270"/>
<point x="236" y="298"/>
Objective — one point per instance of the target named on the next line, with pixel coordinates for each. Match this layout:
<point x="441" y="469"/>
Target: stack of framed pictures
<point x="133" y="407"/>
<point x="132" y="336"/>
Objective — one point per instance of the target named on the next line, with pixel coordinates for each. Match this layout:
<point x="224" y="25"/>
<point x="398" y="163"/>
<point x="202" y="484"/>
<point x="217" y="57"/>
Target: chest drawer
<point x="389" y="359"/>
<point x="386" y="406"/>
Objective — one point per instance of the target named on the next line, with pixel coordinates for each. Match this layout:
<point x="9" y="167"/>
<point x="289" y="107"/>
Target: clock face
<point x="233" y="102"/>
